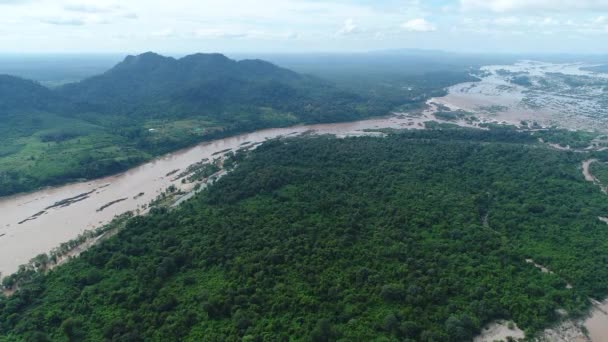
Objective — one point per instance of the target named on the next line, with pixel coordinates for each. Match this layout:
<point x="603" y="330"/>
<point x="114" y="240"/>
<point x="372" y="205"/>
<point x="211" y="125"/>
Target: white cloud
<point x="218" y="34"/>
<point x="91" y="8"/>
<point x="130" y="15"/>
<point x="95" y="9"/>
<point x="600" y="20"/>
<point x="235" y="33"/>
<point x="298" y="25"/>
<point x="503" y="6"/>
<point x="418" y="25"/>
<point x="64" y="21"/>
<point x="506" y="21"/>
<point x="13" y="2"/>
<point x="291" y="35"/>
<point x="548" y="22"/>
<point x="164" y="33"/>
<point x="349" y="27"/>
<point x="597" y="25"/>
<point x="71" y="19"/>
<point x="534" y="25"/>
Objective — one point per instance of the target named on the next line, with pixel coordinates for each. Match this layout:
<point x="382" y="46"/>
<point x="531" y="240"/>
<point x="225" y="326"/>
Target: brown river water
<point x="597" y="323"/>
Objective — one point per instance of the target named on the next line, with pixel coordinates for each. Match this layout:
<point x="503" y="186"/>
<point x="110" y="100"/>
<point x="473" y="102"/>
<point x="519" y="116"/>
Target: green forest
<point x="419" y="236"/>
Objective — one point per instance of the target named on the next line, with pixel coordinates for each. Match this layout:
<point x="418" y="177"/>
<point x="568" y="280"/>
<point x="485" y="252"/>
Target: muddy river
<point x="563" y="95"/>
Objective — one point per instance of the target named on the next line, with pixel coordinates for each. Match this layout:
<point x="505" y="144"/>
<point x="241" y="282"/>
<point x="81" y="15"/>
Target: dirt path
<point x="586" y="170"/>
<point x="589" y="177"/>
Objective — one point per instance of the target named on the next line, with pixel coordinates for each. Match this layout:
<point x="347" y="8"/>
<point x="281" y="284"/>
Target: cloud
<point x="534" y="25"/>
<point x="600" y="20"/>
<point x="164" y="33"/>
<point x="597" y="25"/>
<point x="109" y="10"/>
<point x="291" y="35"/>
<point x="418" y="25"/>
<point x="219" y="34"/>
<point x="230" y="33"/>
<point x="90" y="8"/>
<point x="129" y="15"/>
<point x="64" y="21"/>
<point x="503" y="6"/>
<point x="349" y="27"/>
<point x="507" y="21"/>
<point x="303" y="25"/>
<point x="89" y="13"/>
<point x="548" y="22"/>
<point x="13" y="2"/>
<point x="79" y="20"/>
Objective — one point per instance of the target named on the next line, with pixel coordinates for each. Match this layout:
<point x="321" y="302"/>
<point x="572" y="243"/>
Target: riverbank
<point x="35" y="223"/>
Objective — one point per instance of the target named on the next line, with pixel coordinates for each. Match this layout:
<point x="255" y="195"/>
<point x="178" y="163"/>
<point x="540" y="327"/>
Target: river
<point x="563" y="95"/>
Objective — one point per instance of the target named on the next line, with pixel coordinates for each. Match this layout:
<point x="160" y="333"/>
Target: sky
<point x="293" y="26"/>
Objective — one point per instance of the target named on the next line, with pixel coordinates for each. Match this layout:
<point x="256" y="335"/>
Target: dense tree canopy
<point x="418" y="236"/>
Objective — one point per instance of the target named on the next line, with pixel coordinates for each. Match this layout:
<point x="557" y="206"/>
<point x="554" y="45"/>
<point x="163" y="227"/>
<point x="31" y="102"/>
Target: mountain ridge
<point x="151" y="80"/>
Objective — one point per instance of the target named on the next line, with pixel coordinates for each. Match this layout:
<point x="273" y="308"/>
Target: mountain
<point x="148" y="75"/>
<point x="213" y="85"/>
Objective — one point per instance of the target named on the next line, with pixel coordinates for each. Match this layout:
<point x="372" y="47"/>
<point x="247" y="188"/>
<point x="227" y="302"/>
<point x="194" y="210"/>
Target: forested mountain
<point x="420" y="236"/>
<point x="149" y="74"/>
<point x="213" y="85"/>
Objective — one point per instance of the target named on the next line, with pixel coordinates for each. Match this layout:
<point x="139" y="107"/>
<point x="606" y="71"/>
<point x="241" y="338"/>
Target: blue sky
<point x="184" y="26"/>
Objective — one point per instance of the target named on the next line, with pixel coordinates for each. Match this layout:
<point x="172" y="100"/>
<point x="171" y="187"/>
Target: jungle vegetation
<point x="419" y="236"/>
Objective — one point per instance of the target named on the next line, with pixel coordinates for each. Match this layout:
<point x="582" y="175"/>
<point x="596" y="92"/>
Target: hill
<point x="212" y="85"/>
<point x="149" y="74"/>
